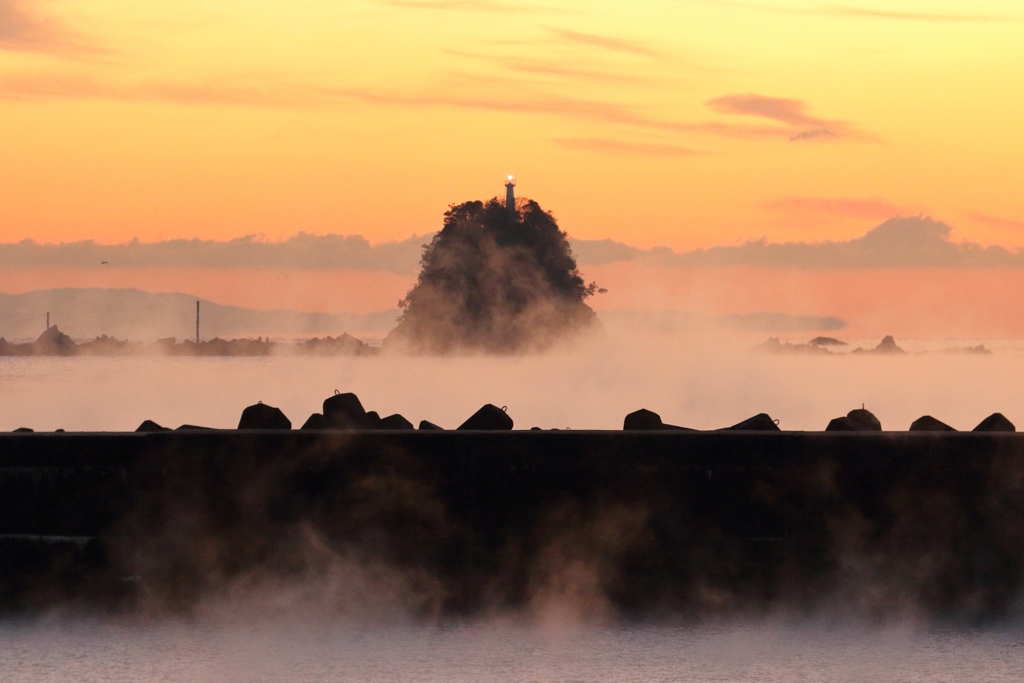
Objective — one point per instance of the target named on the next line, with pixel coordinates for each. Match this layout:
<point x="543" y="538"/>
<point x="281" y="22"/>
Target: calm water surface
<point x="287" y="652"/>
<point x="704" y="385"/>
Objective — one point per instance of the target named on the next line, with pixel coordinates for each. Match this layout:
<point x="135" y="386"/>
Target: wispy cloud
<point x="623" y="148"/>
<point x="489" y="6"/>
<point x="812" y="134"/>
<point x="247" y="91"/>
<point x="556" y="69"/>
<point x="791" y="112"/>
<point x="240" y="93"/>
<point x="211" y="92"/>
<point x="847" y="11"/>
<point x="463" y="92"/>
<point x="560" y="105"/>
<point x="849" y="207"/>
<point x="995" y="220"/>
<point x="787" y="111"/>
<point x="607" y="43"/>
<point x="23" y="27"/>
<point x="598" y="111"/>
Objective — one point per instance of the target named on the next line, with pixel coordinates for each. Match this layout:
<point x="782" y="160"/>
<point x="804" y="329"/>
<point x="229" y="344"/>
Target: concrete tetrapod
<point x="647" y="419"/>
<point x="489" y="417"/>
<point x="262" y="416"/>
<point x="762" y="422"/>
<point x="858" y="420"/>
<point x="395" y="421"/>
<point x="642" y="419"/>
<point x="927" y="423"/>
<point x="344" y="411"/>
<point x="866" y="418"/>
<point x="995" y="423"/>
<point x="314" y="421"/>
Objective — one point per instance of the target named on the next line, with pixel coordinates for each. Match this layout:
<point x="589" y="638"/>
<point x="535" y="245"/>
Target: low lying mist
<point x="702" y="380"/>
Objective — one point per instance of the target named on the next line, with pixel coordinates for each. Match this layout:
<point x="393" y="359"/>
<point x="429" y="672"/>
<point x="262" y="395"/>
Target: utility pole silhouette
<point x="47" y="320"/>
<point x="197" y="323"/>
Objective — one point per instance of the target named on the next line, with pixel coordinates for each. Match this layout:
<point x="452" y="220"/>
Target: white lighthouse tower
<point x="510" y="193"/>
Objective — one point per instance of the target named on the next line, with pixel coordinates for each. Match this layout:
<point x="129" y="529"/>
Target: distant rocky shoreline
<point x="53" y="342"/>
<point x="886" y="347"/>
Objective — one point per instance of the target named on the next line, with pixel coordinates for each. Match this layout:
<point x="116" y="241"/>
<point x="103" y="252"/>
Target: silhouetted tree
<point x="494" y="280"/>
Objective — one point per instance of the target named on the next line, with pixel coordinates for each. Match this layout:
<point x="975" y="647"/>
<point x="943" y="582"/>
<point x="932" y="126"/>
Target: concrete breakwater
<point x="448" y="523"/>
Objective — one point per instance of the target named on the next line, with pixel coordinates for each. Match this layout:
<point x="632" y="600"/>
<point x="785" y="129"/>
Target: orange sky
<point x="685" y="123"/>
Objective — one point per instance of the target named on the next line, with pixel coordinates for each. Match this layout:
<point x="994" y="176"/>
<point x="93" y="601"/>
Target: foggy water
<point x="696" y="381"/>
<point x="287" y="652"/>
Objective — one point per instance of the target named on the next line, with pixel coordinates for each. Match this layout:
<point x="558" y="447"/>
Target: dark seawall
<point x="637" y="523"/>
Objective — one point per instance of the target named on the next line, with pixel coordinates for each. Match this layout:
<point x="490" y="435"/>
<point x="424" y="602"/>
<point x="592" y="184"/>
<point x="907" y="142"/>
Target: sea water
<point x="293" y="651"/>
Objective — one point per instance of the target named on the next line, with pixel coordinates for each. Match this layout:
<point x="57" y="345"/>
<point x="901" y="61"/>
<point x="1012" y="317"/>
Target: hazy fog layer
<point x="698" y="381"/>
<point x="313" y="652"/>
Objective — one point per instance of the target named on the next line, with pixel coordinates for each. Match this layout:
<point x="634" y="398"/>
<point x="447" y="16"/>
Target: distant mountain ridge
<point x="142" y="316"/>
<point x="136" y="315"/>
<point x="914" y="241"/>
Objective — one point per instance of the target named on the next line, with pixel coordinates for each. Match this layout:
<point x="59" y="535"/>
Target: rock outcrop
<point x="886" y="347"/>
<point x="495" y="279"/>
<point x="827" y="341"/>
<point x="53" y="342"/>
<point x="775" y="345"/>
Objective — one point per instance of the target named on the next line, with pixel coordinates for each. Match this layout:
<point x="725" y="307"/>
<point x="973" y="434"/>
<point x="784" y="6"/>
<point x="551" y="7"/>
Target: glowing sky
<point x="678" y="122"/>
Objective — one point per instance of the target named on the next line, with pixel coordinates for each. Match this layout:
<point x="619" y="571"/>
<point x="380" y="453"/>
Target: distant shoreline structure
<point x="54" y="343"/>
<point x="820" y="346"/>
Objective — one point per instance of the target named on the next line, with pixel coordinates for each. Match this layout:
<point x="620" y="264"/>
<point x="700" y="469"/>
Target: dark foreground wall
<point x="454" y="523"/>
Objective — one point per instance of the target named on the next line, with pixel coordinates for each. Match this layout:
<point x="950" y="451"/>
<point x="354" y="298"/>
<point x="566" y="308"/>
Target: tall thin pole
<point x="197" y="323"/>
<point x="47" y="320"/>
